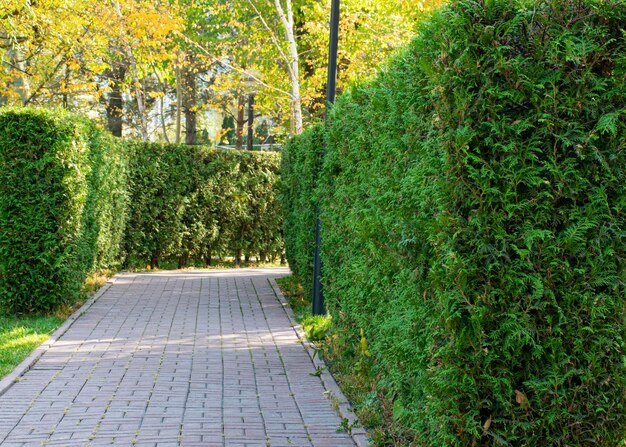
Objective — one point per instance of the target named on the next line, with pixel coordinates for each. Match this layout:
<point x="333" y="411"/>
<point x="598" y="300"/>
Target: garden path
<point x="187" y="358"/>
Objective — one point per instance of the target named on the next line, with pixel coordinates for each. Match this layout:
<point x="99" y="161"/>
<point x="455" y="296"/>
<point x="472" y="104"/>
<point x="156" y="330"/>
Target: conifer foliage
<point x="474" y="222"/>
<point x="193" y="203"/>
<point x="63" y="198"/>
<point x="74" y="199"/>
<point x="300" y="166"/>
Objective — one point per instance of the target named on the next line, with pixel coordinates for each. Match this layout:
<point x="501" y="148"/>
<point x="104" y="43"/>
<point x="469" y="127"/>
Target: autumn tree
<point x="370" y="31"/>
<point x="140" y="46"/>
<point x="51" y="51"/>
<point x="195" y="63"/>
<point x="282" y="45"/>
<point x="151" y="66"/>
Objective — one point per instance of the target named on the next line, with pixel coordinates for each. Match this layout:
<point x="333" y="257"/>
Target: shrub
<point x="259" y="228"/>
<point x="193" y="203"/>
<point x="473" y="215"/>
<point x="160" y="180"/>
<point x="74" y="199"/>
<point x="62" y="202"/>
<point x="300" y="166"/>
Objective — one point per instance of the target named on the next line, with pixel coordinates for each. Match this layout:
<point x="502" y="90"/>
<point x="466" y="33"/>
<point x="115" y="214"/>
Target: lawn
<point x="20" y="335"/>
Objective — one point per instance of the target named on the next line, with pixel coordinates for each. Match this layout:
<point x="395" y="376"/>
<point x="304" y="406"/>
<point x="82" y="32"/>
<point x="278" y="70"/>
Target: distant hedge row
<point x="193" y="203"/>
<point x="73" y="199"/>
<point x="474" y="223"/>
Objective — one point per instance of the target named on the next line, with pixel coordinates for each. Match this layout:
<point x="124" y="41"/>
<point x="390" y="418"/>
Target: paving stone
<point x="187" y="358"/>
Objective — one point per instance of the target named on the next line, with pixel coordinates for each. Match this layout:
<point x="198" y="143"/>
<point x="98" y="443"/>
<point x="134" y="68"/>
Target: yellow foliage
<point x="54" y="46"/>
<point x="55" y="49"/>
<point x="363" y="345"/>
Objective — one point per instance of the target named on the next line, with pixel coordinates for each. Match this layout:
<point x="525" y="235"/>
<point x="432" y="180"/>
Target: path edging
<point x="7" y="382"/>
<point x="358" y="433"/>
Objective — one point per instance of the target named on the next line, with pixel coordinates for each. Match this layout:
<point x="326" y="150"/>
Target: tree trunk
<point x="162" y="105"/>
<point x="139" y="94"/>
<point x="183" y="260"/>
<point x="115" y="104"/>
<point x="208" y="259"/>
<point x="179" y="102"/>
<point x="251" y="122"/>
<point x="4" y="94"/>
<point x="163" y="123"/>
<point x="141" y="107"/>
<point x="238" y="254"/>
<point x="240" y="122"/>
<point x="294" y="68"/>
<point x="292" y="61"/>
<point x="154" y="262"/>
<point x="189" y="99"/>
<point x="65" y="94"/>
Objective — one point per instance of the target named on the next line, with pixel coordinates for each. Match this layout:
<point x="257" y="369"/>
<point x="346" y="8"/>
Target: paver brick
<point x="187" y="358"/>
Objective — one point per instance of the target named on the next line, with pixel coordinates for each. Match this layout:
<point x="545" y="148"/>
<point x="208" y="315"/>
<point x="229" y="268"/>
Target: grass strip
<point x="22" y="334"/>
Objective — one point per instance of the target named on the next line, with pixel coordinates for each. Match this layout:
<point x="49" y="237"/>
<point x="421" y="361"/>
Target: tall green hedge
<point x="300" y="166"/>
<point x="73" y="199"/>
<point x="474" y="222"/>
<point x="63" y="194"/>
<point x="194" y="203"/>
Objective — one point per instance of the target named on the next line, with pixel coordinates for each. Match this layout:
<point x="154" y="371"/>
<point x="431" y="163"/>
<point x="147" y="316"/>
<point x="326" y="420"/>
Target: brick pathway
<point x="193" y="358"/>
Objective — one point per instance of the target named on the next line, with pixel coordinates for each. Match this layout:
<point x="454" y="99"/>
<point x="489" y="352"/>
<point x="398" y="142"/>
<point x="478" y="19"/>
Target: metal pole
<point x="331" y="86"/>
<point x="331" y="89"/>
<point x="250" y="122"/>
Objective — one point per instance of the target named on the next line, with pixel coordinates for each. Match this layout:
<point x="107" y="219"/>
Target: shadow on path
<point x="183" y="358"/>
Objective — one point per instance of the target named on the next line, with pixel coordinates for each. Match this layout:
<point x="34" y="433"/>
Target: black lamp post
<point x="331" y="89"/>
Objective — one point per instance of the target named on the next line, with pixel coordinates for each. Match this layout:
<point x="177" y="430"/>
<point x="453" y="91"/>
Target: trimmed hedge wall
<point x="74" y="199"/>
<point x="474" y="224"/>
<point x="300" y="165"/>
<point x="63" y="194"/>
<point x="193" y="203"/>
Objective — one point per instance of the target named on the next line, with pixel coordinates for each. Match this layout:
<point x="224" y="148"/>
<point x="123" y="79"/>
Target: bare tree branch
<point x="272" y="34"/>
<point x="233" y="67"/>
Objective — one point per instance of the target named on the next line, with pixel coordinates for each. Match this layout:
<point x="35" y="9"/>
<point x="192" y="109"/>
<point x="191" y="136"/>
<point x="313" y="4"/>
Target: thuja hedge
<point x="191" y="203"/>
<point x="73" y="200"/>
<point x="63" y="195"/>
<point x="300" y="166"/>
<point x="474" y="223"/>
